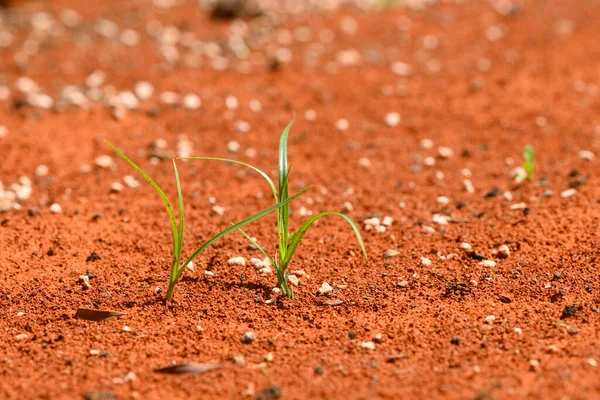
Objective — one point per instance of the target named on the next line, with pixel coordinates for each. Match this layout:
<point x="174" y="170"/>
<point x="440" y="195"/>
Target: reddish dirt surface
<point x="537" y="84"/>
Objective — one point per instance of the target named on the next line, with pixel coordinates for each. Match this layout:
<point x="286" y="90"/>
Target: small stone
<point x="518" y="331"/>
<point x="456" y="340"/>
<point x="390" y="253"/>
<point x="116" y="187"/>
<point x="586" y="155"/>
<point x="233" y="146"/>
<point x="592" y="362"/>
<point x="534" y="365"/>
<point x="191" y="101"/>
<point x="425" y="261"/>
<point x="126" y="329"/>
<point x="248" y="337"/>
<point x="325" y="289"/>
<point x="392" y="119"/>
<point x="55" y="208"/>
<point x="488" y="263"/>
<point x="269" y="357"/>
<point x="364" y="162"/>
<point x="208" y="273"/>
<point x="143" y="90"/>
<point x="445" y="152"/>
<point x="237" y="261"/>
<point x="387" y="221"/>
<point x="347" y="207"/>
<point x="41" y="170"/>
<point x="503" y="251"/>
<point x="568" y="193"/>
<point x="342" y="125"/>
<point x="490" y="318"/>
<point x="368" y="345"/>
<point x="372" y="221"/>
<point x="293" y="279"/>
<point x="465" y="246"/>
<point x="190" y="266"/>
<point x="22" y="336"/>
<point x="265" y="270"/>
<point x="443" y="201"/>
<point x="130" y="181"/>
<point x="220" y="211"/>
<point x="104" y="161"/>
<point x="403" y="284"/>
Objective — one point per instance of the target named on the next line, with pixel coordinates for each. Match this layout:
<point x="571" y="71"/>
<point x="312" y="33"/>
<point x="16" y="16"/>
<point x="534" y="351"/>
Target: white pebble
<point x="143" y="90"/>
<point x="503" y="251"/>
<point x="310" y="115"/>
<point x="55" y="208"/>
<point x="364" y="162"/>
<point x="568" y="193"/>
<point x="425" y="261"/>
<point x="372" y="221"/>
<point x="445" y="152"/>
<point x="233" y="146"/>
<point x="218" y="210"/>
<point x="586" y="155"/>
<point x="231" y="102"/>
<point x="191" y="101"/>
<point x="190" y="266"/>
<point x="426" y="144"/>
<point x="488" y="263"/>
<point x="518" y="206"/>
<point x="368" y="345"/>
<point x="443" y="201"/>
<point x="429" y="161"/>
<point x="392" y="119"/>
<point x="293" y="279"/>
<point x="387" y="221"/>
<point x="116" y="187"/>
<point x="130" y="181"/>
<point x="342" y="124"/>
<point x="465" y="246"/>
<point x="41" y="170"/>
<point x="518" y="331"/>
<point x="104" y="161"/>
<point x="237" y="261"/>
<point x="592" y="362"/>
<point x="468" y="186"/>
<point x="325" y="289"/>
<point x="490" y="318"/>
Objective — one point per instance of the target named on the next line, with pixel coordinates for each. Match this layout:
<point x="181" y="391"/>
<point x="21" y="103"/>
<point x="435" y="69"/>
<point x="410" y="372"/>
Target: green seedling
<point x="287" y="242"/>
<point x="177" y="269"/>
<point x="528" y="163"/>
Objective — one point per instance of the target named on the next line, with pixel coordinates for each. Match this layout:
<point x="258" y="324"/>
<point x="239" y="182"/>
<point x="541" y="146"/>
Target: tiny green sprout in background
<point x="528" y="163"/>
<point x="177" y="268"/>
<point x="287" y="242"/>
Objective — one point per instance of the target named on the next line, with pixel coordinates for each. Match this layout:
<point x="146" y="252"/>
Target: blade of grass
<point x="528" y="164"/>
<point x="283" y="187"/>
<point x="297" y="237"/>
<point x="235" y="227"/>
<point x="260" y="172"/>
<point x="181" y="227"/>
<point x="162" y="195"/>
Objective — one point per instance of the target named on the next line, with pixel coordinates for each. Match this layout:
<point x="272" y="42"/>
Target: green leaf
<point x="528" y="164"/>
<point x="162" y="195"/>
<point x="258" y="246"/>
<point x="260" y="172"/>
<point x="235" y="227"/>
<point x="299" y="234"/>
<point x="282" y="173"/>
<point x="180" y="236"/>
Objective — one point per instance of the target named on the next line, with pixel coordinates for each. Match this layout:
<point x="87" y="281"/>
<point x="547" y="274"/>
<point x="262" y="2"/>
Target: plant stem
<point x="287" y="291"/>
<point x="172" y="280"/>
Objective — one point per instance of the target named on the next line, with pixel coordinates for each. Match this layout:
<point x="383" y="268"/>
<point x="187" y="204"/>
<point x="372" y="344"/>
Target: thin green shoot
<point x="177" y="227"/>
<point x="287" y="242"/>
<point x="528" y="161"/>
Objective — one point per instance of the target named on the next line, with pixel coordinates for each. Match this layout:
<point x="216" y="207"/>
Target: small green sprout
<point x="528" y="163"/>
<point x="177" y="268"/>
<point x="287" y="242"/>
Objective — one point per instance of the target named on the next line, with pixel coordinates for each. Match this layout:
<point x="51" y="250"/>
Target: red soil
<point x="484" y="116"/>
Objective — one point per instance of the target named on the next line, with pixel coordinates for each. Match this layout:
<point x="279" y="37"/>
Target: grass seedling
<point x="528" y="163"/>
<point x="177" y="268"/>
<point x="287" y="242"/>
